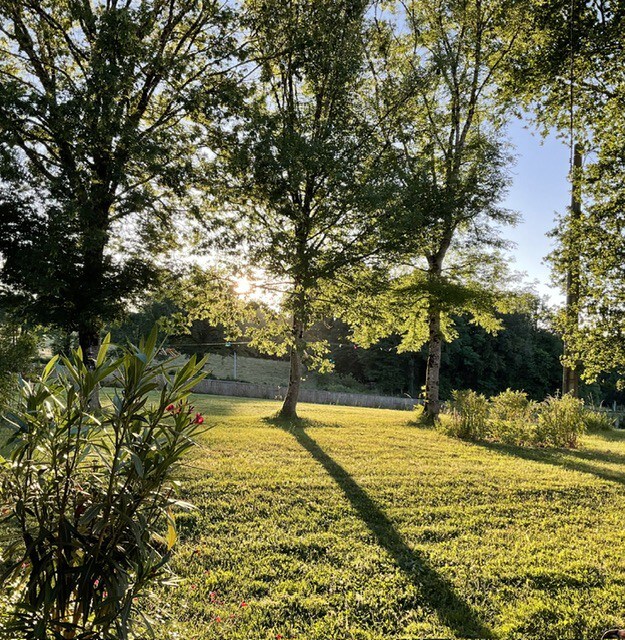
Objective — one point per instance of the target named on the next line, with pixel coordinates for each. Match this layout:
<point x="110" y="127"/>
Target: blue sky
<point x="539" y="190"/>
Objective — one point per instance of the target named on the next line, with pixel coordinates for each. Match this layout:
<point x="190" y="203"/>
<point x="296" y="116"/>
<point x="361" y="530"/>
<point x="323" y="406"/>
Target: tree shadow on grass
<point x="437" y="592"/>
<point x="291" y="424"/>
<point x="565" y="459"/>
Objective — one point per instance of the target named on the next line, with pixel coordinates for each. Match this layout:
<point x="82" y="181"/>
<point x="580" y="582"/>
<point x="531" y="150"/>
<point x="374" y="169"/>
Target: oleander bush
<point x="88" y="499"/>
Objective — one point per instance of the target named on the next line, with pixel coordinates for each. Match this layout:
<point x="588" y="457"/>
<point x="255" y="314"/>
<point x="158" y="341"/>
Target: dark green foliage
<point x="86" y="498"/>
<point x="522" y="356"/>
<point x="95" y="131"/>
<point x="18" y="350"/>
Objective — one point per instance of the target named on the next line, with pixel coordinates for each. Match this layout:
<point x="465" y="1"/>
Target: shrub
<point x="18" y="349"/>
<point x="512" y="417"/>
<point x="88" y="499"/>
<point x="598" y="420"/>
<point x="560" y="421"/>
<point x="469" y="415"/>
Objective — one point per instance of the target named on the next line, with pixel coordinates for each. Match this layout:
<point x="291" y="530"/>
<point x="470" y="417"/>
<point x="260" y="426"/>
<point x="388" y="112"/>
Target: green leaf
<point x="49" y="367"/>
<point x="104" y="347"/>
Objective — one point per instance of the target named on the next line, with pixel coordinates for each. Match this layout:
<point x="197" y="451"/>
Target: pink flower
<point x="198" y="418"/>
<point x="244" y="604"/>
<point x="218" y="619"/>
<point x="170" y="407"/>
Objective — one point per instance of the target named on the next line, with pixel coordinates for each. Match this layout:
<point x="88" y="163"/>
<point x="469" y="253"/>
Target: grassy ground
<point x="356" y="525"/>
<point x="276" y="372"/>
<point x="249" y="369"/>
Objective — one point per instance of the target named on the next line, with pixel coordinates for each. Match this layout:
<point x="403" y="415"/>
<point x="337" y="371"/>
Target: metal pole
<point x="235" y="365"/>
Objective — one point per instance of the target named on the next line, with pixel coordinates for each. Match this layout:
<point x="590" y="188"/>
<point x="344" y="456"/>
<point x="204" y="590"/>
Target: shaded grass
<point x="350" y="524"/>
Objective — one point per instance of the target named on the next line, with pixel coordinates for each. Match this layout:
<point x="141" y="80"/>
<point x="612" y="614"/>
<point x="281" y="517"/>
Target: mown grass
<point x="275" y="372"/>
<point x="355" y="524"/>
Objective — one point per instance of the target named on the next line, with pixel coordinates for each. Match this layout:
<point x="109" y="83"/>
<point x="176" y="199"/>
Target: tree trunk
<point x="570" y="374"/>
<point x="435" y="339"/>
<point x="289" y="407"/>
<point x="89" y="340"/>
<point x="433" y="370"/>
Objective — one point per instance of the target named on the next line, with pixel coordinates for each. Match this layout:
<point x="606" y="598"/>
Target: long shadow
<point x="439" y="593"/>
<point x="565" y="459"/>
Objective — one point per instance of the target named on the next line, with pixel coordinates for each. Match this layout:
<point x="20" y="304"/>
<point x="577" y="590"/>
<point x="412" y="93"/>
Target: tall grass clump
<point x="512" y="417"/>
<point x="87" y="498"/>
<point x="560" y="421"/>
<point x="468" y="416"/>
<point x="595" y="420"/>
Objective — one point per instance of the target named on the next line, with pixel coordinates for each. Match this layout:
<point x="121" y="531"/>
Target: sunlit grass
<point x="354" y="524"/>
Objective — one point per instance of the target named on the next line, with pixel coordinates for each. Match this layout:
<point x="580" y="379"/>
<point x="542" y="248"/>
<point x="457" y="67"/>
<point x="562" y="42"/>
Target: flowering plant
<point x="88" y="498"/>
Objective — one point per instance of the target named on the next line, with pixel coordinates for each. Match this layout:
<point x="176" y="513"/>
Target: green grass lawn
<point x="359" y="525"/>
<point x="275" y="372"/>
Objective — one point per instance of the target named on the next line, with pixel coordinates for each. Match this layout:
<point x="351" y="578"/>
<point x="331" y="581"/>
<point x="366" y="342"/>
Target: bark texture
<point x="435" y="339"/>
<point x="433" y="370"/>
<point x="289" y="407"/>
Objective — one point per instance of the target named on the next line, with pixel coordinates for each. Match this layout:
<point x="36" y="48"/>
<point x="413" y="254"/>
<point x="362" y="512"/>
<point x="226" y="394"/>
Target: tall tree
<point x="301" y="171"/>
<point x="96" y="144"/>
<point x="439" y="64"/>
<point x="567" y="72"/>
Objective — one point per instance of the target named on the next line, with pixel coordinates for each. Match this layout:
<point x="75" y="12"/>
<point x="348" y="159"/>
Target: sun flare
<point x="244" y="286"/>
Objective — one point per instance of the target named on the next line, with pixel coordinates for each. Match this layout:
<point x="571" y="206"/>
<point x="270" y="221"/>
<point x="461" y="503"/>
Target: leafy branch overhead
<point x="101" y="140"/>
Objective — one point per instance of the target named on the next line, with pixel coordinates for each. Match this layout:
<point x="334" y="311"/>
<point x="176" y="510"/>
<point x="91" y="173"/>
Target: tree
<point x="18" y="350"/>
<point x="597" y="231"/>
<point x="440" y="67"/>
<point x="569" y="71"/>
<point x="301" y="173"/>
<point x="97" y="151"/>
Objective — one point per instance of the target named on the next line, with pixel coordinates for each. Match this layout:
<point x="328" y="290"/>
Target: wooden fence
<point x="271" y="392"/>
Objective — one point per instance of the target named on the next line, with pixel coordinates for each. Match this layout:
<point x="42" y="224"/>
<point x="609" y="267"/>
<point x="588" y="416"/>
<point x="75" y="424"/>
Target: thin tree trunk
<point x="289" y="407"/>
<point x="95" y="222"/>
<point x="433" y="370"/>
<point x="89" y="340"/>
<point x="435" y="339"/>
<point x="570" y="374"/>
